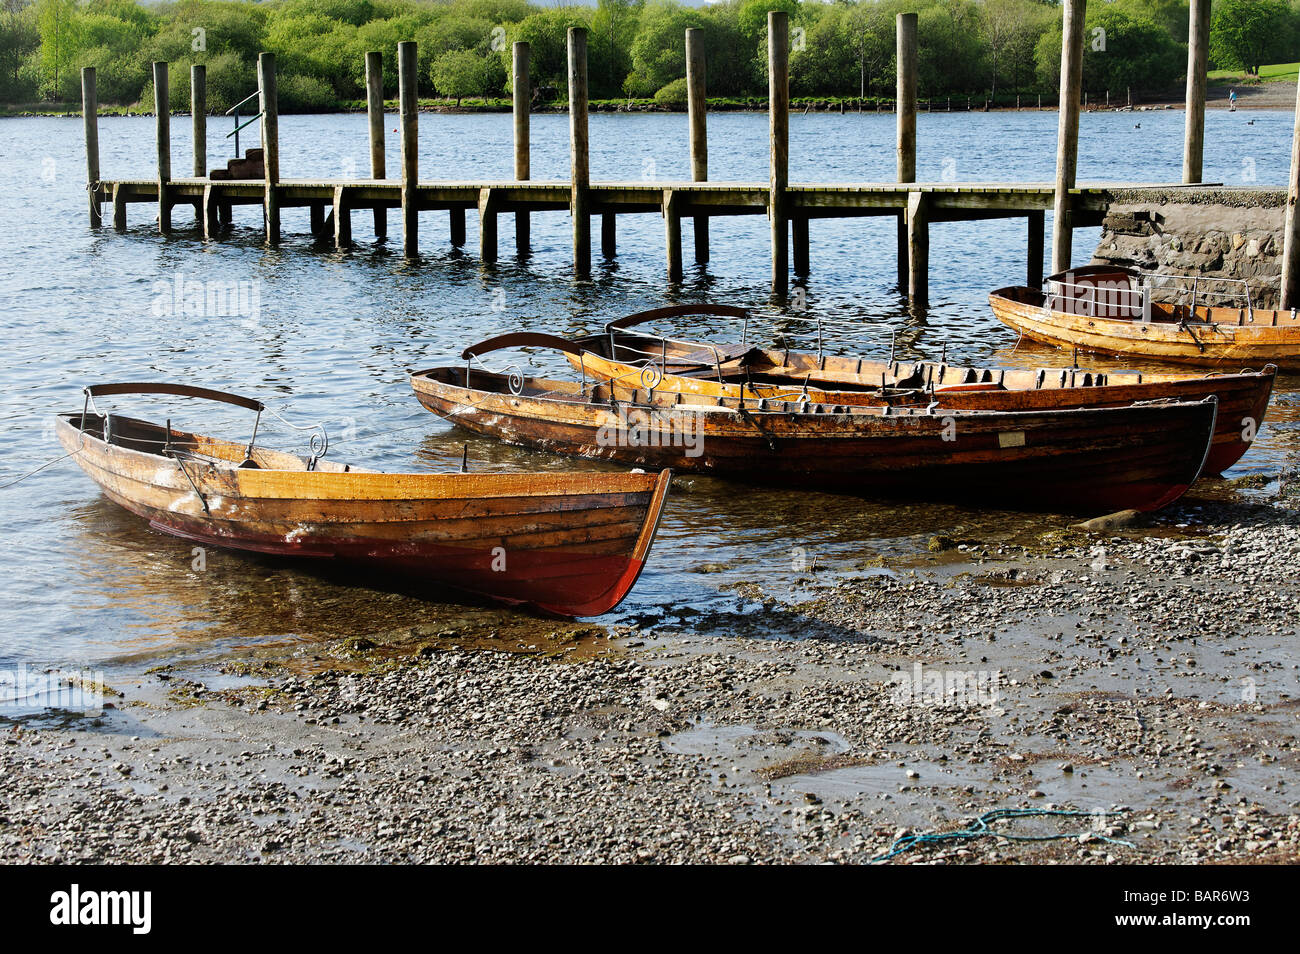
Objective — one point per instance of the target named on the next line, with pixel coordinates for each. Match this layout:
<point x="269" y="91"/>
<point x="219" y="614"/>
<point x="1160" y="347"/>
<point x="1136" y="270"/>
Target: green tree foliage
<point x="546" y="32"/>
<point x="1246" y="34"/>
<point x="634" y="48"/>
<point x="461" y="73"/>
<point x="672" y="94"/>
<point x="950" y="56"/>
<point x="1121" y="51"/>
<point x="60" y="29"/>
<point x="659" y="49"/>
<point x="609" y="45"/>
<point x="20" y="42"/>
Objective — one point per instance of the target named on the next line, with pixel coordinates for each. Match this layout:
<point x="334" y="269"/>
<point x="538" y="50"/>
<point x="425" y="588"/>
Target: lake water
<point x="334" y="335"/>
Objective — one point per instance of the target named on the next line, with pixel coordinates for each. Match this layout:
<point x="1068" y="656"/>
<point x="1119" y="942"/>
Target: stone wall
<point x="1214" y="233"/>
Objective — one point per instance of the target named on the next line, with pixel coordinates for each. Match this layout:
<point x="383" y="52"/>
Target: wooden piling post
<point x="697" y="108"/>
<point x="673" y="233"/>
<point x="522" y="101"/>
<point x="906" y="96"/>
<point x="608" y="234"/>
<point x="1198" y="55"/>
<point x="802" y="259"/>
<point x="199" y="117"/>
<point x="1067" y="135"/>
<point x="905" y="133"/>
<point x="456" y="225"/>
<point x="211" y="213"/>
<point x="90" y="119"/>
<point x="1034" y="259"/>
<point x="918" y="251"/>
<point x="342" y="219"/>
<point x="119" y="208"/>
<point x="408" y="107"/>
<point x="487" y="225"/>
<point x="266" y="82"/>
<point x="900" y="224"/>
<point x="579" y="202"/>
<point x="375" y="114"/>
<point x="778" y="109"/>
<point x="163" y="135"/>
<point x="1290" y="297"/>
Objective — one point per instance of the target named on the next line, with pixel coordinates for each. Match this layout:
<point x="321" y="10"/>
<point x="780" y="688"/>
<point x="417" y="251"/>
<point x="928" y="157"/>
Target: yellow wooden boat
<point x="1112" y="310"/>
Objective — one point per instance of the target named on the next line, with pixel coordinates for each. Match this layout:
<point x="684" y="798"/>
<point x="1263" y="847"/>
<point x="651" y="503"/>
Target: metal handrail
<point x="238" y="125"/>
<point x="235" y="108"/>
<point x="1084" y="298"/>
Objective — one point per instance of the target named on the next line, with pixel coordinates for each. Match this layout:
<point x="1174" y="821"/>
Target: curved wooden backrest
<point x="1092" y="271"/>
<point x="180" y="390"/>
<point x="676" y="311"/>
<point x="521" y="339"/>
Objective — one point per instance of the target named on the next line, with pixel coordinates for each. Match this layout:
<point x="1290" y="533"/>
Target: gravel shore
<point x="1144" y="679"/>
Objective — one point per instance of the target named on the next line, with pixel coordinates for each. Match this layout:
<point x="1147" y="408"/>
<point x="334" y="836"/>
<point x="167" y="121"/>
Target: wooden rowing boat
<point x="1112" y="310"/>
<point x="752" y="373"/>
<point x="571" y="544"/>
<point x="1094" y="460"/>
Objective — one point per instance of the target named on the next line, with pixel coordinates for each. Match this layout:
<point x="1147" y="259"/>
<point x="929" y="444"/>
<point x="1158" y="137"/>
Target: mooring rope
<point x="979" y="828"/>
<point x="48" y="463"/>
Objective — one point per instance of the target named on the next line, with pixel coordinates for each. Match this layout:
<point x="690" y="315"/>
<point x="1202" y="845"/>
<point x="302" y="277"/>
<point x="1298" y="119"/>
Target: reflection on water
<point x="335" y="335"/>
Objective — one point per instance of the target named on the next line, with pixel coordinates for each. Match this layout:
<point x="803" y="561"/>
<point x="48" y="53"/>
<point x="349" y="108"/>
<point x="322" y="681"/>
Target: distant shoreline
<point x="1277" y="95"/>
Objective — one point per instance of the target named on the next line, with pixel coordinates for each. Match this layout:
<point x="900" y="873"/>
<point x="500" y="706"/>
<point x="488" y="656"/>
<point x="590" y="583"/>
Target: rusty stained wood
<point x="1098" y="460"/>
<point x="1226" y="338"/>
<point x="758" y="373"/>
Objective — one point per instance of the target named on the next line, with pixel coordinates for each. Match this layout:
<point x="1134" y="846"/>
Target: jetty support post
<point x="1067" y="133"/>
<point x="487" y="224"/>
<point x="1290" y="297"/>
<point x="778" y="99"/>
<point x="672" y="203"/>
<point x="521" y="89"/>
<point x="375" y="114"/>
<point x="697" y="108"/>
<point x="342" y="216"/>
<point x="608" y="234"/>
<point x="580" y="175"/>
<point x="918" y="250"/>
<point x="199" y="117"/>
<point x="211" y="213"/>
<point x="266" y="82"/>
<point x="408" y="107"/>
<point x="799" y="236"/>
<point x="1034" y="259"/>
<point x="1198" y="54"/>
<point x="456" y="226"/>
<point x="163" y="131"/>
<point x="905" y="99"/>
<point x="90" y="118"/>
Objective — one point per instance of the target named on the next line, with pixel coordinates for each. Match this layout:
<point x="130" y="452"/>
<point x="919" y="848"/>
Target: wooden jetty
<point x="254" y="179"/>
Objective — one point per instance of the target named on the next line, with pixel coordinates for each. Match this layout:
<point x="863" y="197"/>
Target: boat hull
<point x="1222" y="343"/>
<point x="567" y="544"/>
<point x="1078" y="461"/>
<point x="1243" y="398"/>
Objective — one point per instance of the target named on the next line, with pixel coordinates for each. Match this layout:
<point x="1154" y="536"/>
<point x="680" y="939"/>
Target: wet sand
<point x="1145" y="677"/>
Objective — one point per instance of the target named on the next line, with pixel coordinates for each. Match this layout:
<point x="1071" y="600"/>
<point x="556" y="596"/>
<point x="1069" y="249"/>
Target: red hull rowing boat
<point x="571" y="544"/>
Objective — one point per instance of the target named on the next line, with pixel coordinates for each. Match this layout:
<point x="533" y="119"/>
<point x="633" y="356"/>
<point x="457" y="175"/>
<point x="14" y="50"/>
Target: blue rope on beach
<point x="980" y="829"/>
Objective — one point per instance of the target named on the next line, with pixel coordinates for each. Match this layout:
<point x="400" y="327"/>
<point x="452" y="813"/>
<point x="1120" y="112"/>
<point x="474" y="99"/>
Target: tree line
<point x="636" y="48"/>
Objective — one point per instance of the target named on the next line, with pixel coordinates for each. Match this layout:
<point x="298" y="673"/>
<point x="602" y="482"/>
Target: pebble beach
<point x="1132" y="688"/>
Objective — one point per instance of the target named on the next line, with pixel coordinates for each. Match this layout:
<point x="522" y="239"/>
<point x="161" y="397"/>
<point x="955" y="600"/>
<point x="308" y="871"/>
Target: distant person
<point x="1232" y="99"/>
